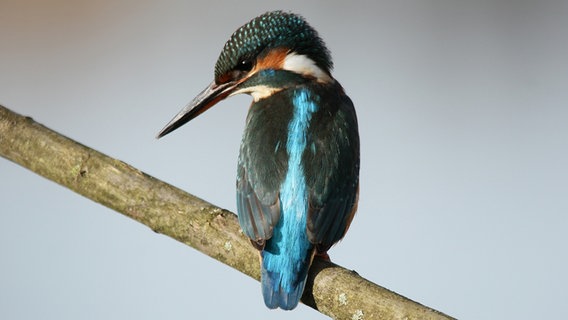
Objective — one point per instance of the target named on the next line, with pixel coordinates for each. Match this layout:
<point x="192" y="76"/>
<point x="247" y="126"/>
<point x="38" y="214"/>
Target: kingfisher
<point x="298" y="166"/>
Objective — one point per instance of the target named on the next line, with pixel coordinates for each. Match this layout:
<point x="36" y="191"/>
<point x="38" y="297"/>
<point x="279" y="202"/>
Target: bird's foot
<point x="323" y="256"/>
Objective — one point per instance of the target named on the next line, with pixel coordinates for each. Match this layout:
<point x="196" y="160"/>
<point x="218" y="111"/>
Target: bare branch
<point x="331" y="289"/>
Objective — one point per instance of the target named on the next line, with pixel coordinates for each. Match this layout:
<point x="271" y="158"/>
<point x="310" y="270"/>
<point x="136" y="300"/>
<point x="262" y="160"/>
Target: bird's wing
<point x="332" y="171"/>
<point x="257" y="216"/>
<point x="261" y="169"/>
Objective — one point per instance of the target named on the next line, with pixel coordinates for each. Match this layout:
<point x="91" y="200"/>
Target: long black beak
<point x="205" y="100"/>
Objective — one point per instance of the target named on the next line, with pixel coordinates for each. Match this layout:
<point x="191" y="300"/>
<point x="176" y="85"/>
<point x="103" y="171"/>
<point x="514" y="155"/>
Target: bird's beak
<point x="205" y="100"/>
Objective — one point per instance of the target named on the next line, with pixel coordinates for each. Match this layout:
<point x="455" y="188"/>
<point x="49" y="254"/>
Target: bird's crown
<point x="272" y="30"/>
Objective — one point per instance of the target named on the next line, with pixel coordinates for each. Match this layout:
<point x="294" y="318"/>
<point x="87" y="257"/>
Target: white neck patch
<point x="257" y="92"/>
<point x="301" y="64"/>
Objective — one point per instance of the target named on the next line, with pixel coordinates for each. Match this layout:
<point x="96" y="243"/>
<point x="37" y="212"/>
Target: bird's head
<point x="268" y="54"/>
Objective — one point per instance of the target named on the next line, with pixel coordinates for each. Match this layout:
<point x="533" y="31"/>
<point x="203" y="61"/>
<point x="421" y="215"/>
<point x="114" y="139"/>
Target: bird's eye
<point x="240" y="70"/>
<point x="244" y="65"/>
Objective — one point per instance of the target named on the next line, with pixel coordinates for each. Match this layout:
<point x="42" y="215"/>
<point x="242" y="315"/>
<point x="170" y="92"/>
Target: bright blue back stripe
<point x="287" y="252"/>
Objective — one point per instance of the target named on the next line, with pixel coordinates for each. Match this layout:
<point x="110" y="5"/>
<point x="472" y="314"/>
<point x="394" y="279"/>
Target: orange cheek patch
<point x="273" y="60"/>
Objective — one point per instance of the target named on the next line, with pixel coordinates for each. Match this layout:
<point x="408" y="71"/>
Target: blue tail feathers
<point x="281" y="291"/>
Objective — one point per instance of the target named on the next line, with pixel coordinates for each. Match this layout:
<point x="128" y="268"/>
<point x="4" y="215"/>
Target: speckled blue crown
<point x="268" y="31"/>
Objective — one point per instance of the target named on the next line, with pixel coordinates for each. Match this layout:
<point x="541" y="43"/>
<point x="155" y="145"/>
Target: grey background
<point x="462" y="109"/>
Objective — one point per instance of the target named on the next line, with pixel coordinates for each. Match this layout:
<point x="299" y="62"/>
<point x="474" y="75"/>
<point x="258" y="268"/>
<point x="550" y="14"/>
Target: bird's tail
<point x="283" y="288"/>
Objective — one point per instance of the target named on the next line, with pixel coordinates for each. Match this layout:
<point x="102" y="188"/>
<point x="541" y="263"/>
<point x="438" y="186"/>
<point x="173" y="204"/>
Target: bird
<point x="298" y="167"/>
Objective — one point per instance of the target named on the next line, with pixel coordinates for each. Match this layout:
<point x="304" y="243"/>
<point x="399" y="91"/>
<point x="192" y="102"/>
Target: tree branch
<point x="331" y="289"/>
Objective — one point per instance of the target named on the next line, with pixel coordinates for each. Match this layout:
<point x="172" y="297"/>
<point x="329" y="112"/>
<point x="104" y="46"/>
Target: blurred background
<point x="462" y="111"/>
